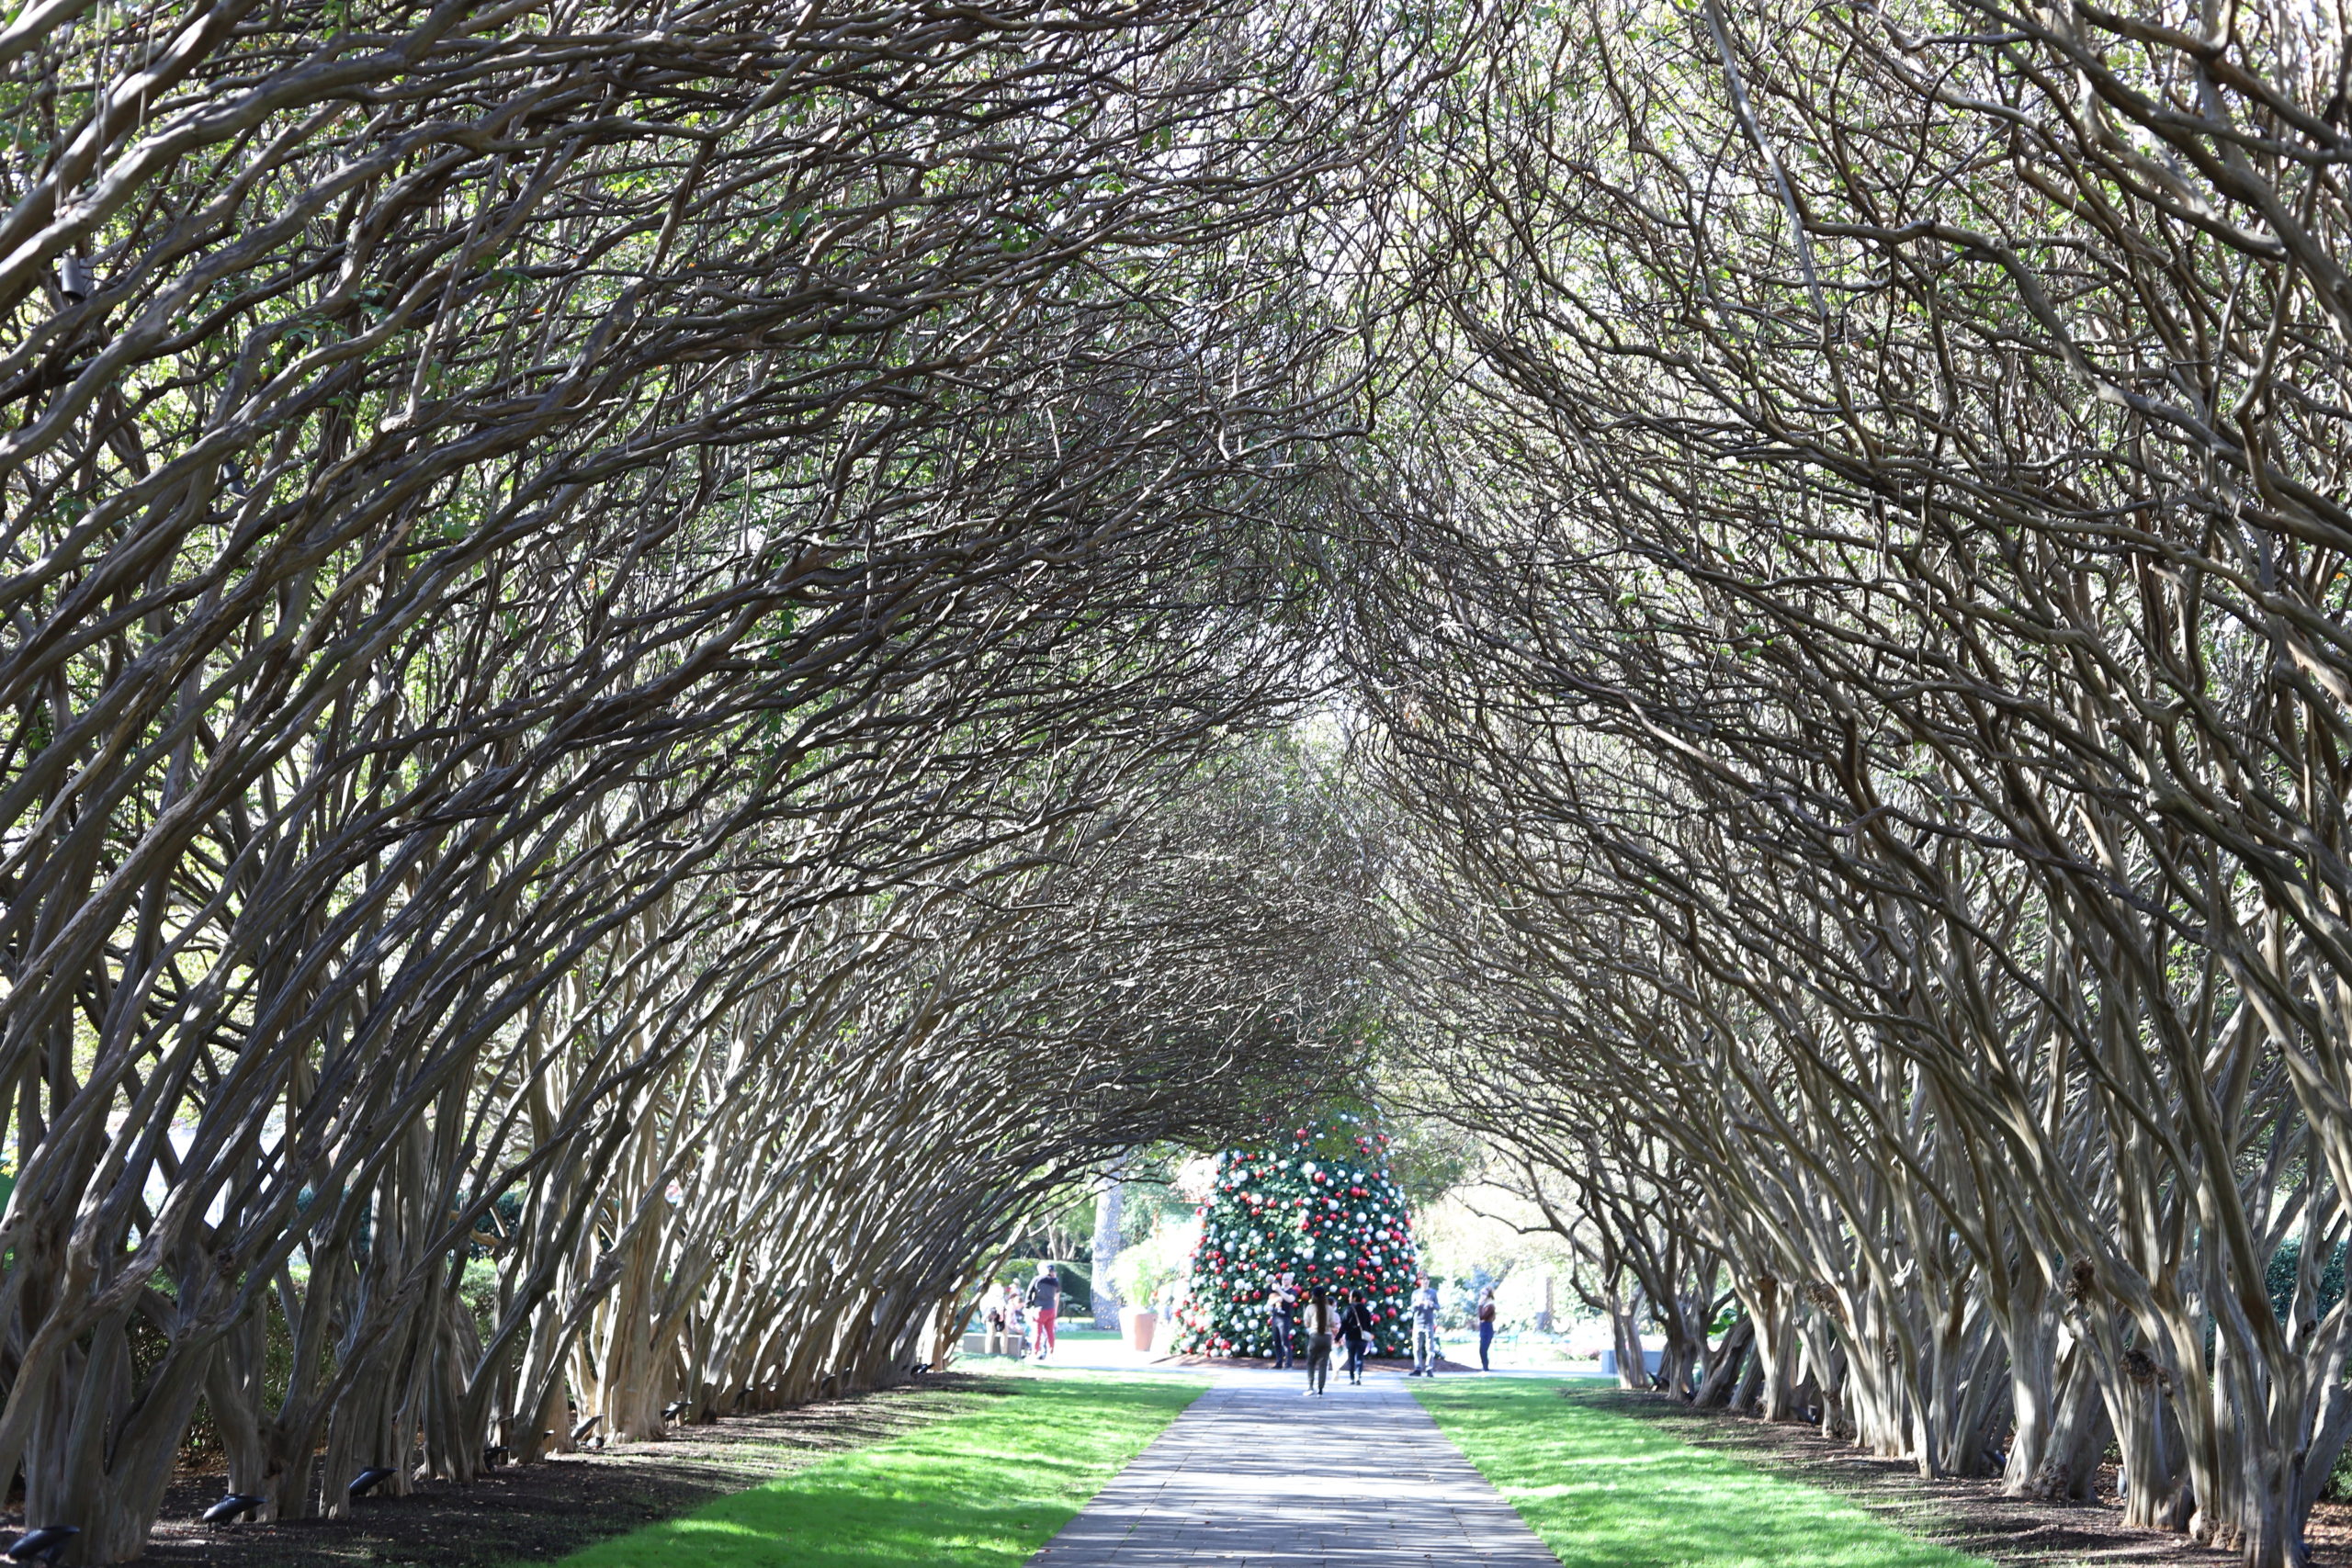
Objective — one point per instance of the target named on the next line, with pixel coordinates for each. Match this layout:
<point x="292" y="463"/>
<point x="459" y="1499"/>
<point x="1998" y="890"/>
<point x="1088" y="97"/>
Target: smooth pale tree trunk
<point x="1625" y="1332"/>
<point x="2036" y="1390"/>
<point x="1107" y="1205"/>
<point x="2056" y="1453"/>
<point x="1773" y="1379"/>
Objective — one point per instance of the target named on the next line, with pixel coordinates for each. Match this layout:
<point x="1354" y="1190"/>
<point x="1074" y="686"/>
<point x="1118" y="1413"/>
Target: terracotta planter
<point x="1138" y="1324"/>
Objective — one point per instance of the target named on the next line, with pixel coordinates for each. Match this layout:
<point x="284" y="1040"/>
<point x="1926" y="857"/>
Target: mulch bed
<point x="1968" y="1515"/>
<point x="531" y="1513"/>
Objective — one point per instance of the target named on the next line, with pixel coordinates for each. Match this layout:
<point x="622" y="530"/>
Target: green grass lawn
<point x="1610" y="1491"/>
<point x="984" y="1487"/>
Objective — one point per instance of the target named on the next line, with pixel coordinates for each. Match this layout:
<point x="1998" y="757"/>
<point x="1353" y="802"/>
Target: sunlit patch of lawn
<point x="986" y="1487"/>
<point x="1608" y="1491"/>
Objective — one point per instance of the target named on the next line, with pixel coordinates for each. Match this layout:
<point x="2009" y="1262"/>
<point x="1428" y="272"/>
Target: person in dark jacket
<point x="1319" y="1321"/>
<point x="1045" y="1303"/>
<point x="1279" y="1302"/>
<point x="1356" y="1331"/>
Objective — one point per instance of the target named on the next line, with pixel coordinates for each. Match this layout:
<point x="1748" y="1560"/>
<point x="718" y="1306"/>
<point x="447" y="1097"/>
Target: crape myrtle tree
<point x="1317" y="1204"/>
<point x="1871" y="669"/>
<point x="1026" y="1006"/>
<point x="560" y="563"/>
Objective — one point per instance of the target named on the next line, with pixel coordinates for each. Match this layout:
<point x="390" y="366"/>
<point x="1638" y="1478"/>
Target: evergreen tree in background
<point x="1319" y="1206"/>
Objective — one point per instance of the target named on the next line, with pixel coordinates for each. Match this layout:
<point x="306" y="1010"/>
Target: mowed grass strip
<point x="986" y="1487"/>
<point x="1606" y="1489"/>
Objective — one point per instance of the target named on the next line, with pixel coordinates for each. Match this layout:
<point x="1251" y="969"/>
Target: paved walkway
<point x="1255" y="1476"/>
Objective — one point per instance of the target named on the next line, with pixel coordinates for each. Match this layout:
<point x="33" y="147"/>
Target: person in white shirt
<point x="1424" y="1330"/>
<point x="1320" y="1322"/>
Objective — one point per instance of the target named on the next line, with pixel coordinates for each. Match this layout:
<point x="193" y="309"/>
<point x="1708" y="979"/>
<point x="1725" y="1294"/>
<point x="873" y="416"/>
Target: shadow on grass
<point x="1605" y="1490"/>
<point x="985" y="1488"/>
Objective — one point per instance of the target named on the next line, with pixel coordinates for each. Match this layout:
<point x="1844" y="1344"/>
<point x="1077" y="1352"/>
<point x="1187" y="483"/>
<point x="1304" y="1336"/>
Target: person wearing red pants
<point x="1045" y="1305"/>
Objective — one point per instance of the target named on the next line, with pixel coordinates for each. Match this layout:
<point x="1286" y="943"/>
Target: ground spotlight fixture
<point x="234" y="1505"/>
<point x="42" y="1545"/>
<point x="493" y="1456"/>
<point x="672" y="1410"/>
<point x="585" y="1427"/>
<point x="367" y="1480"/>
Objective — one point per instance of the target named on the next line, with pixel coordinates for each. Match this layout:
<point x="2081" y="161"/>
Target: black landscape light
<point x="41" y="1545"/>
<point x="76" y="282"/>
<point x="672" y="1410"/>
<point x="493" y="1456"/>
<point x="585" y="1427"/>
<point x="233" y="1505"/>
<point x="367" y="1480"/>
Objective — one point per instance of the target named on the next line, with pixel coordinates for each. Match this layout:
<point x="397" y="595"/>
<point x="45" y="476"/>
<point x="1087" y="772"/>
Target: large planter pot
<point x="1138" y="1325"/>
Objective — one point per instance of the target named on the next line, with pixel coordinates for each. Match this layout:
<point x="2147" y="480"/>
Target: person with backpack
<point x="1356" y="1330"/>
<point x="1046" y="1301"/>
<point x="1320" y="1321"/>
<point x="1279" y="1302"/>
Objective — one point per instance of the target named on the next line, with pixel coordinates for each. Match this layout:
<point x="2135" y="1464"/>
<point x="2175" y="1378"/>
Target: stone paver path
<point x="1255" y="1476"/>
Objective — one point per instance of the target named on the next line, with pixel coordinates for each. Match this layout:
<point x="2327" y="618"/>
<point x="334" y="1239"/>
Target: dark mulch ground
<point x="1968" y="1515"/>
<point x="541" y="1511"/>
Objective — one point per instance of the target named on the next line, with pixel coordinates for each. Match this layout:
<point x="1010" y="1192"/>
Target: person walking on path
<point x="1355" y="1327"/>
<point x="1424" y="1330"/>
<point x="1486" y="1327"/>
<point x="1045" y="1299"/>
<point x="1278" y="1313"/>
<point x="1320" y="1321"/>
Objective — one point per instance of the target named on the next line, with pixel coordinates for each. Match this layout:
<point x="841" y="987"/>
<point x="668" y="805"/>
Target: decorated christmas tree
<point x="1318" y="1206"/>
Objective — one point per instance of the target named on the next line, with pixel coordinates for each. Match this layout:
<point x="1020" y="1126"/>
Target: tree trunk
<point x="1625" y="1333"/>
<point x="1107" y="1204"/>
<point x="1725" y="1368"/>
